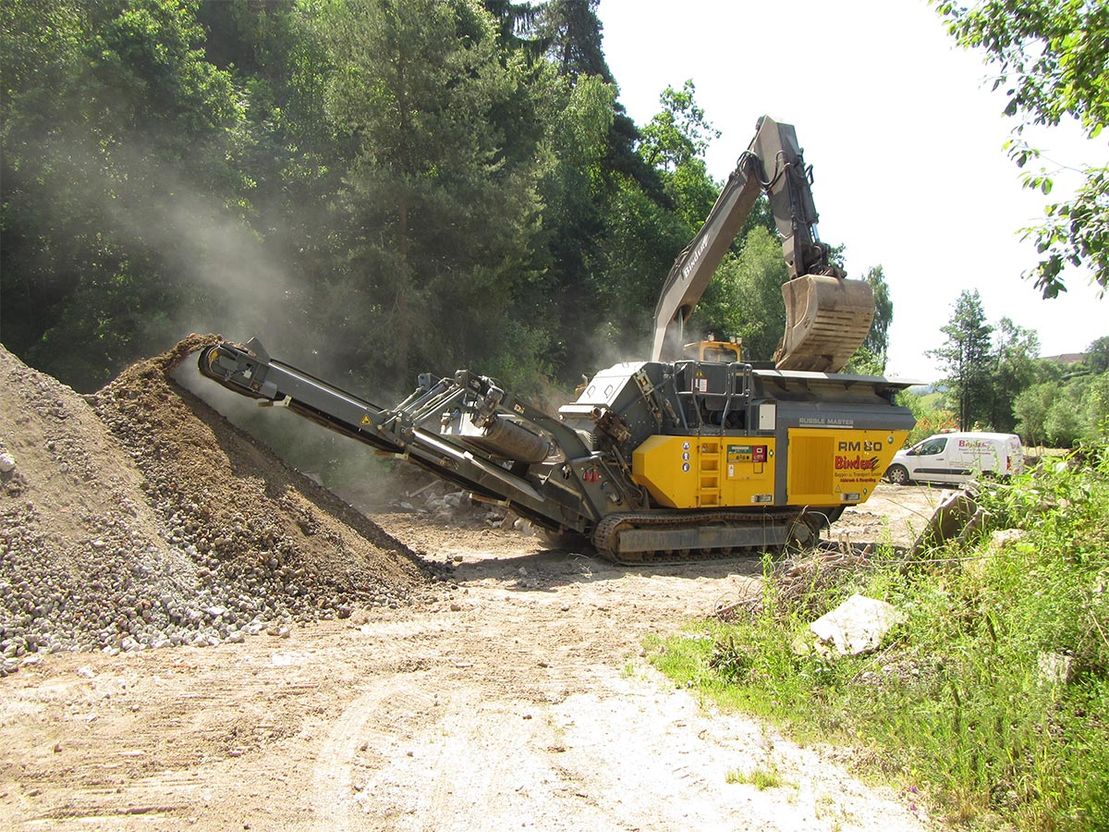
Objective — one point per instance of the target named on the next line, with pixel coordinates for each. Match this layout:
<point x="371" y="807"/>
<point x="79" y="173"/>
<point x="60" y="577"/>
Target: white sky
<point x="904" y="138"/>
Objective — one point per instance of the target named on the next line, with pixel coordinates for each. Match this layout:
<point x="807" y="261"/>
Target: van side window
<point x="932" y="447"/>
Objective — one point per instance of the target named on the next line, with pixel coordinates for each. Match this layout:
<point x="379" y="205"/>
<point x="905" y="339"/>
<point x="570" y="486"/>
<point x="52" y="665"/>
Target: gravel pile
<point x="146" y="520"/>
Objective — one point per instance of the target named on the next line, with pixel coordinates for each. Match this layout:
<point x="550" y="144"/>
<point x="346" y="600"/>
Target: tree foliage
<point x="442" y="193"/>
<point x="679" y="133"/>
<point x="1052" y="59"/>
<point x="870" y="358"/>
<point x="878" y="339"/>
<point x="377" y="188"/>
<point x="996" y="380"/>
<point x="929" y="412"/>
<point x="1097" y="355"/>
<point x="112" y="119"/>
<point x="966" y="358"/>
<point x="1015" y="368"/>
<point x="746" y="298"/>
<point x="1065" y="414"/>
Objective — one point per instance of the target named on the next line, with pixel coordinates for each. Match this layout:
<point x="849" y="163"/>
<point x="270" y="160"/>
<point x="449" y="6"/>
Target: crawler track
<point x="766" y="531"/>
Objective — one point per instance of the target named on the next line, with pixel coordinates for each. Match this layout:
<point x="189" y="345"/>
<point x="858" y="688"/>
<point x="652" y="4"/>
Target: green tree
<point x="674" y="144"/>
<point x="579" y="218"/>
<point x="99" y="163"/>
<point x="870" y="358"/>
<point x="878" y="339"/>
<point x="1065" y="413"/>
<point x="644" y="234"/>
<point x="679" y="133"/>
<point x="1095" y="404"/>
<point x="442" y="199"/>
<point x="639" y="244"/>
<point x="1064" y="424"/>
<point x="572" y="32"/>
<point x="517" y="23"/>
<point x="429" y="184"/>
<point x="292" y="158"/>
<point x="42" y="60"/>
<point x="1097" y="355"/>
<point x="746" y="297"/>
<point x="1052" y="59"/>
<point x="1031" y="408"/>
<point x="931" y="416"/>
<point x="966" y="358"/>
<point x="1015" y="369"/>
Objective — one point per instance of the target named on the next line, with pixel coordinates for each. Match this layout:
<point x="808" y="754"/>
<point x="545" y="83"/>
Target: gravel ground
<point x="519" y="697"/>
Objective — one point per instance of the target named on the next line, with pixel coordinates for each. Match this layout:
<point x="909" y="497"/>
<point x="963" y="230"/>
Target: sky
<point x="904" y="136"/>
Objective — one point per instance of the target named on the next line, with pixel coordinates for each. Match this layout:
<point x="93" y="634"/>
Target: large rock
<point x="1000" y="538"/>
<point x="956" y="518"/>
<point x="856" y="626"/>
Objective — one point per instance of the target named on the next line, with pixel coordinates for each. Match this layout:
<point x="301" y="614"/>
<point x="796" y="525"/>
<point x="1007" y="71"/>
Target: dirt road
<point x="514" y="695"/>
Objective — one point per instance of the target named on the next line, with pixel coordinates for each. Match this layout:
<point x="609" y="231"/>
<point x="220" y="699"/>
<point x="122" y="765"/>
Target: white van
<point x="957" y="457"/>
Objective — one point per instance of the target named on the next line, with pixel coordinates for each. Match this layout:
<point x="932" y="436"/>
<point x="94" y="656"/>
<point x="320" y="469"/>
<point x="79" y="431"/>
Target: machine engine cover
<point x="706" y="471"/>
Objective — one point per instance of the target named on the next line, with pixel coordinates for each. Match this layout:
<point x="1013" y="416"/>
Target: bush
<point x="931" y="417"/>
<point x="1065" y="414"/>
<point x="993" y="695"/>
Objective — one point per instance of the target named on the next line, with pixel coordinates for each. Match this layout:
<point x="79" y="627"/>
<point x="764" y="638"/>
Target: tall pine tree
<point x="967" y="359"/>
<point x="442" y="198"/>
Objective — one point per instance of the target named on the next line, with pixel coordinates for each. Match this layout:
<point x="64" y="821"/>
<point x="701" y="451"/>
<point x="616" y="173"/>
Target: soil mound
<point x="146" y="519"/>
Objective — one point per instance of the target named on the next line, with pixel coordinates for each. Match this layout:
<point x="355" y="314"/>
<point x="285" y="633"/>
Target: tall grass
<point x="993" y="696"/>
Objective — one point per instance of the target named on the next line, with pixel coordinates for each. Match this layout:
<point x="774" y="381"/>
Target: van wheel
<point x="898" y="475"/>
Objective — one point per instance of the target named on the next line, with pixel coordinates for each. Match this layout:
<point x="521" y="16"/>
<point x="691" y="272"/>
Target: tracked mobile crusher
<point x="667" y="457"/>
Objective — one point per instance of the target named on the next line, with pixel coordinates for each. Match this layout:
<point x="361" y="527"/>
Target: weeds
<point x="995" y="692"/>
<point x="761" y="777"/>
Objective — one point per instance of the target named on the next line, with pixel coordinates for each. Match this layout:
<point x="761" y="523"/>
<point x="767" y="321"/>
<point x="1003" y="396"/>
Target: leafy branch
<point x="1052" y="58"/>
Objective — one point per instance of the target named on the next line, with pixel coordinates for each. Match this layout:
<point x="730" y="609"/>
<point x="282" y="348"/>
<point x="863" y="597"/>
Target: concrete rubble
<point x="445" y="505"/>
<point x="856" y="626"/>
<point x="956" y="518"/>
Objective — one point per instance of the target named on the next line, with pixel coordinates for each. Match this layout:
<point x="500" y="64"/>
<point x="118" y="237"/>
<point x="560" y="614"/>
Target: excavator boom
<point x="827" y="317"/>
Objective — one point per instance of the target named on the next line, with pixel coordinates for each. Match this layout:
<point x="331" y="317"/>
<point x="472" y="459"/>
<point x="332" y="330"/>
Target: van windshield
<point x="931" y="447"/>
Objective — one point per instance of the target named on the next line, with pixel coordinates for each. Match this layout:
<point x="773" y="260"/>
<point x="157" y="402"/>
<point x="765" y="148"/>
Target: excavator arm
<point x="827" y="317"/>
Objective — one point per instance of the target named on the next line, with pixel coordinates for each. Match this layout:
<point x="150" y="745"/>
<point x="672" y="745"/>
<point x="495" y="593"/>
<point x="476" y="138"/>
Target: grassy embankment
<point x="992" y="698"/>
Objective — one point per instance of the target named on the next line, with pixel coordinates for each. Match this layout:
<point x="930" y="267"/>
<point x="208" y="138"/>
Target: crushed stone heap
<point x="141" y="518"/>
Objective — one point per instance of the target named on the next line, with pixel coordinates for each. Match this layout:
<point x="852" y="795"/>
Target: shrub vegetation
<point x="992" y="697"/>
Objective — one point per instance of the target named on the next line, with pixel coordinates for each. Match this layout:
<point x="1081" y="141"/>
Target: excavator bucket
<point x="827" y="318"/>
